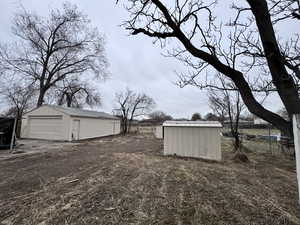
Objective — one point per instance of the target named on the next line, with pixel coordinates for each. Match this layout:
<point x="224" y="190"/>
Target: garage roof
<point x="82" y="112"/>
<point x="192" y="124"/>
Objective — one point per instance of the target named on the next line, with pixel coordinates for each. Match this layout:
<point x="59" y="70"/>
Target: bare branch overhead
<point x="248" y="51"/>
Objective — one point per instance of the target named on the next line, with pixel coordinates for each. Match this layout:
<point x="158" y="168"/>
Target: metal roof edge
<point x="61" y="110"/>
<point x="208" y="124"/>
<point x="98" y="117"/>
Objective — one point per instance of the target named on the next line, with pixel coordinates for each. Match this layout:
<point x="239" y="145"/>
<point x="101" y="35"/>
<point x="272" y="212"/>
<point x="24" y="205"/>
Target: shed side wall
<point x="193" y="142"/>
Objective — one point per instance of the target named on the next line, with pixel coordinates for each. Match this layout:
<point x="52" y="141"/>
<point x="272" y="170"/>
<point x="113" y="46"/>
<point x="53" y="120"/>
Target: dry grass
<point x="256" y="131"/>
<point x="260" y="131"/>
<point x="127" y="181"/>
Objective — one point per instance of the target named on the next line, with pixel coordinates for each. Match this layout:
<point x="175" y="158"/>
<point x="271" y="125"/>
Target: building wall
<point x="146" y="129"/>
<point x="199" y="142"/>
<point x="260" y="121"/>
<point x="46" y="122"/>
<point x="45" y="119"/>
<point x="159" y="132"/>
<point x="94" y="127"/>
<point x="134" y="128"/>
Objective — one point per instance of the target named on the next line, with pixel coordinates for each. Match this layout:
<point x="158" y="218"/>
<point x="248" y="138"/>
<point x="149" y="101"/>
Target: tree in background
<point x="130" y="105"/>
<point x="196" y="116"/>
<point x="160" y="116"/>
<point x="211" y="117"/>
<point x="227" y="105"/>
<point x="19" y="100"/>
<point x="246" y="49"/>
<point x="77" y="94"/>
<point x="50" y="50"/>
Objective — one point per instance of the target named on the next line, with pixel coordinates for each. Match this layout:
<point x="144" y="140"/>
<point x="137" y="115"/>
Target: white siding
<point x="94" y="127"/>
<point x="44" y="110"/>
<point x="259" y="121"/>
<point x="45" y="128"/>
<point x="199" y="142"/>
<point x="159" y="132"/>
<point x="45" y="123"/>
<point x="146" y="129"/>
<point x="117" y="127"/>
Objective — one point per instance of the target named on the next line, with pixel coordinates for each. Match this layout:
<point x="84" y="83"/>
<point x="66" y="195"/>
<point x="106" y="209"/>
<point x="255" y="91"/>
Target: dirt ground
<point x="126" y="180"/>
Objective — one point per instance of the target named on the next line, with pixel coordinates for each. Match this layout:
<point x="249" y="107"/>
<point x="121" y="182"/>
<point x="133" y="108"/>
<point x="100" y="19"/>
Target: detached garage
<point x="199" y="139"/>
<point x="51" y="122"/>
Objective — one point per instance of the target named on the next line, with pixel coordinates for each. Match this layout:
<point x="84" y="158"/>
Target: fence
<point x="144" y="129"/>
<point x="265" y="139"/>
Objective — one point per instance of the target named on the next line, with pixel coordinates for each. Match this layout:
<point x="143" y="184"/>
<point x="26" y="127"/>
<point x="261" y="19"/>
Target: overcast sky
<point x="135" y="62"/>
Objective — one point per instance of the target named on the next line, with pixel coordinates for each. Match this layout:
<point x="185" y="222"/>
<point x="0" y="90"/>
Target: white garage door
<point x="49" y="128"/>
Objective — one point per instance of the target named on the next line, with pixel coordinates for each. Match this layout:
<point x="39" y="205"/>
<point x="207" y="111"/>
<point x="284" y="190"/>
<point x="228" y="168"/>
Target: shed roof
<point x="213" y="124"/>
<point x="82" y="112"/>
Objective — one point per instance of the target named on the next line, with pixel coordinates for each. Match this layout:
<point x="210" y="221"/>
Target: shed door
<point x="49" y="128"/>
<point x="75" y="129"/>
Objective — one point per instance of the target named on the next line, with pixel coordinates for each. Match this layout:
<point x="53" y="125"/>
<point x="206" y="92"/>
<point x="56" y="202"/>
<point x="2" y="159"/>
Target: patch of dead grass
<point x="138" y="187"/>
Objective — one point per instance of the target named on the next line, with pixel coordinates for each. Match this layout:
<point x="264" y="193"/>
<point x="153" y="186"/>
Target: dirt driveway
<point x="126" y="180"/>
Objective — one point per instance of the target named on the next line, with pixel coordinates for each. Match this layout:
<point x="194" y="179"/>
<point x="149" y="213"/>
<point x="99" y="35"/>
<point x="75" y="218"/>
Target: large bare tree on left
<point x="52" y="49"/>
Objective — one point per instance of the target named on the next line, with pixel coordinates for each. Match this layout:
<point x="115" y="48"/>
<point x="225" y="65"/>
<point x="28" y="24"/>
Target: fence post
<point x="296" y="129"/>
<point x="13" y="136"/>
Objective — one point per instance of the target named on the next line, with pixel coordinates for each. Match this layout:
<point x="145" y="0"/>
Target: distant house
<point x="66" y="124"/>
<point x="149" y="122"/>
<point x="259" y="121"/>
<point x="147" y="126"/>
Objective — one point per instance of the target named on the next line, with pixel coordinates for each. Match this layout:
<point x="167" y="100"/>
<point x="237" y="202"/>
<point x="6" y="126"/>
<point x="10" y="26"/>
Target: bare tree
<point x="160" y="116"/>
<point x="196" y="116"/>
<point x="19" y="98"/>
<point x="227" y="105"/>
<point x="285" y="9"/>
<point x="131" y="105"/>
<point x="52" y="49"/>
<point x="247" y="51"/>
<point x="212" y="117"/>
<point x="77" y="94"/>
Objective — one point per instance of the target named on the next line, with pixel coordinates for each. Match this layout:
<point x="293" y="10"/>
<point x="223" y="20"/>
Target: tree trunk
<point x="129" y="125"/>
<point x="41" y="97"/>
<point x="284" y="83"/>
<point x="280" y="77"/>
<point x="240" y="82"/>
<point x="257" y="109"/>
<point x="69" y="100"/>
<point x="124" y="125"/>
<point x="237" y="142"/>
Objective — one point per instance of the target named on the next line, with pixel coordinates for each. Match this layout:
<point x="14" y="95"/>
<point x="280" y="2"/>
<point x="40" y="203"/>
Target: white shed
<point x="159" y="132"/>
<point x="199" y="139"/>
<point x="51" y="122"/>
